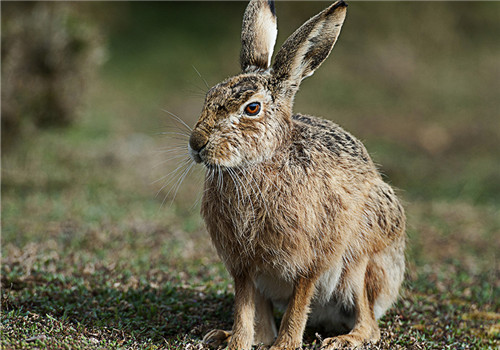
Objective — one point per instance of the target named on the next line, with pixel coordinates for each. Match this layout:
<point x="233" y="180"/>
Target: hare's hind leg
<point x="295" y="317"/>
<point x="355" y="284"/>
<point x="379" y="288"/>
<point x="390" y="265"/>
<point x="264" y="325"/>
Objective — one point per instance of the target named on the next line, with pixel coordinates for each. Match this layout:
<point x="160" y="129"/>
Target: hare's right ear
<point x="308" y="47"/>
<point x="258" y="35"/>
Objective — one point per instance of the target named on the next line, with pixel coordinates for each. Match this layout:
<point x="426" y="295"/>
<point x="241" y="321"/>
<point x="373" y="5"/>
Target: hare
<point x="294" y="204"/>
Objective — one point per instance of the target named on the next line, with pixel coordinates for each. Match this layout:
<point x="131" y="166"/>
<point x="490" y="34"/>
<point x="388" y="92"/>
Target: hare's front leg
<point x="265" y="327"/>
<point x="295" y="317"/>
<point x="244" y="313"/>
<point x="241" y="337"/>
<point x="253" y="316"/>
<point x="242" y="334"/>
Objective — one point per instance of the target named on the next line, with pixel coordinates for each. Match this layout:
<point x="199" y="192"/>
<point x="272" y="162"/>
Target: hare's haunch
<point x="293" y="203"/>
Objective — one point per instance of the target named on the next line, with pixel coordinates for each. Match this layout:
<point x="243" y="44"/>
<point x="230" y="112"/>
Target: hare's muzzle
<point x="197" y="143"/>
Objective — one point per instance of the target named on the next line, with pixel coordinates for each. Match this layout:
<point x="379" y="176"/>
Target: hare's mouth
<point x="215" y="156"/>
<point x="195" y="154"/>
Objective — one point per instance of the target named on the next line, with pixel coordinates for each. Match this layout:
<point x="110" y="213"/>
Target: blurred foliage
<point x="418" y="82"/>
<point x="50" y="54"/>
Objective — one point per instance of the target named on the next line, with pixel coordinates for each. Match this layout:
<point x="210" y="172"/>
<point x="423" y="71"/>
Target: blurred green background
<point x="417" y="82"/>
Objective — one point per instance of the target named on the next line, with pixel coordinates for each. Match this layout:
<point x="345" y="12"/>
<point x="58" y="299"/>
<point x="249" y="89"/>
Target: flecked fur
<point x="294" y="205"/>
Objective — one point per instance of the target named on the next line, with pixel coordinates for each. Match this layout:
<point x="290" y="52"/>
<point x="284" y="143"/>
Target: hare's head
<point x="247" y="117"/>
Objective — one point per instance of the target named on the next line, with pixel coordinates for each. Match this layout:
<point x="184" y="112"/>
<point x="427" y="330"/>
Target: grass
<point x="91" y="258"/>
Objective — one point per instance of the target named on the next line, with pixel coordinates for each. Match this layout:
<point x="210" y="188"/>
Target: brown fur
<point x="294" y="205"/>
<point x="257" y="38"/>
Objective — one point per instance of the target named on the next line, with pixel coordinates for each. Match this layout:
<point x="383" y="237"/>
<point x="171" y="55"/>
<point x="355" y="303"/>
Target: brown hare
<point x="294" y="205"/>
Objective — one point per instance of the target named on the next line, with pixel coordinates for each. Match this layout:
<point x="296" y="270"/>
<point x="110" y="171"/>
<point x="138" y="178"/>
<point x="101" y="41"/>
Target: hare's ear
<point x="258" y="35"/>
<point x="309" y="46"/>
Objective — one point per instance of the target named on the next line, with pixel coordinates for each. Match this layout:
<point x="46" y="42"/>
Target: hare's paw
<point x="287" y="344"/>
<point x="286" y="347"/>
<point x="216" y="338"/>
<point x="346" y="341"/>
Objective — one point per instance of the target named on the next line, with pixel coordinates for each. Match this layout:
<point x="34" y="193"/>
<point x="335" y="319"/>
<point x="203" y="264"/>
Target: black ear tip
<point x="335" y="6"/>
<point x="271" y="6"/>
<point x="338" y="4"/>
<point x="342" y="3"/>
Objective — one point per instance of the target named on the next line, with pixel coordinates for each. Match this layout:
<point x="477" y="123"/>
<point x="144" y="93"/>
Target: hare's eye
<point x="252" y="109"/>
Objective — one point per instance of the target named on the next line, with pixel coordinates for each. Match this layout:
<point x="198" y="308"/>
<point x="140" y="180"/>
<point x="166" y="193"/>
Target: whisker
<point x="198" y="91"/>
<point x="173" y="133"/>
<point x="206" y="84"/>
<point x="219" y="178"/>
<point x="195" y="93"/>
<point x="183" y="139"/>
<point x="184" y="163"/>
<point x="212" y="174"/>
<point x="173" y="150"/>
<point x="180" y="129"/>
<point x="267" y="178"/>
<point x="171" y="159"/>
<point x="237" y="185"/>
<point x="176" y="150"/>
<point x="177" y="185"/>
<point x="248" y="195"/>
<point x="259" y="190"/>
<point x="209" y="174"/>
<point x="200" y="195"/>
<point x="179" y="120"/>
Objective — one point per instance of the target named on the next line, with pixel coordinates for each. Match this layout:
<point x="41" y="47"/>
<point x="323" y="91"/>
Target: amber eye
<point x="252" y="109"/>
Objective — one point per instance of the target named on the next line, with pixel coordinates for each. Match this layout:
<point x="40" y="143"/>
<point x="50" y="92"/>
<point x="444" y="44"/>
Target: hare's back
<point x="326" y="136"/>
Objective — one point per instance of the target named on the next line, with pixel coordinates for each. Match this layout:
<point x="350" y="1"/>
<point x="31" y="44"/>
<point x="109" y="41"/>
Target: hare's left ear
<point x="258" y="35"/>
<point x="308" y="47"/>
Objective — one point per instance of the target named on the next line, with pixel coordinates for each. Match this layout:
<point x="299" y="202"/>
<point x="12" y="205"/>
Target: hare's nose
<point x="197" y="141"/>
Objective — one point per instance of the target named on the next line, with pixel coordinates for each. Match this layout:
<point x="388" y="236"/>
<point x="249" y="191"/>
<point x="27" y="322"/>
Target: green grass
<point x="92" y="258"/>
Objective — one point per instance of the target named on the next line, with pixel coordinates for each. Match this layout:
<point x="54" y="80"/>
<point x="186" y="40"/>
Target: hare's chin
<point x="196" y="157"/>
<point x="222" y="163"/>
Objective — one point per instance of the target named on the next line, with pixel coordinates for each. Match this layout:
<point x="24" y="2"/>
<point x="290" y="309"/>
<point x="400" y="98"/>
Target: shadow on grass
<point x="145" y="312"/>
<point x="442" y="306"/>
